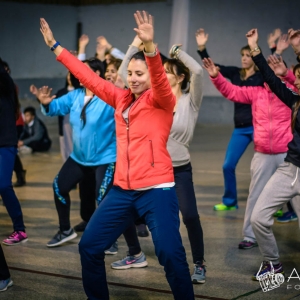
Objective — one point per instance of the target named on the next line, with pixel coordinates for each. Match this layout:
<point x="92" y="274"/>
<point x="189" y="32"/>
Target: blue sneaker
<point x="113" y="249"/>
<point x="199" y="274"/>
<point x="287" y="217"/>
<point x="130" y="262"/>
<point x="4" y="284"/>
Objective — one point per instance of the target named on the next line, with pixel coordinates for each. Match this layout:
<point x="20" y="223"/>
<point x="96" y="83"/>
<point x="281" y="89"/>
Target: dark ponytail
<point x="96" y="65"/>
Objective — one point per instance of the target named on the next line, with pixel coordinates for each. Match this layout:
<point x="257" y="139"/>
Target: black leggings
<point x="188" y="207"/>
<point x="94" y="183"/>
<point x="4" y="272"/>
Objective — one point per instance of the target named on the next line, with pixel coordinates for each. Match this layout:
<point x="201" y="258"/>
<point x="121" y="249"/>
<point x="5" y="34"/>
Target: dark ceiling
<point x="82" y="2"/>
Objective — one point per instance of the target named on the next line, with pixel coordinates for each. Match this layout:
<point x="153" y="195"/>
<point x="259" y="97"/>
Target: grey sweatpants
<point x="283" y="186"/>
<point x="263" y="166"/>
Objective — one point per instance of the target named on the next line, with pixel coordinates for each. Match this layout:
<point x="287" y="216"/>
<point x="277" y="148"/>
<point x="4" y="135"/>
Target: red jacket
<point x="271" y="117"/>
<point x="142" y="156"/>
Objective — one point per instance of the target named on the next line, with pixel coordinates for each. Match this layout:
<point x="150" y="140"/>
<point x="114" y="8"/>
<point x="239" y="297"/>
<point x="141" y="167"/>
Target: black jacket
<point x="242" y="112"/>
<point x="288" y="97"/>
<point x="8" y="103"/>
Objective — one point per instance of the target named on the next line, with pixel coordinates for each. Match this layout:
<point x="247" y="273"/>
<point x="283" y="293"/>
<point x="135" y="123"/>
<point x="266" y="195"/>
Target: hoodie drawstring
<point x="293" y="183"/>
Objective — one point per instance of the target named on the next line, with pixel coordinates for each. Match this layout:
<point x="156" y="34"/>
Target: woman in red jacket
<point x="144" y="180"/>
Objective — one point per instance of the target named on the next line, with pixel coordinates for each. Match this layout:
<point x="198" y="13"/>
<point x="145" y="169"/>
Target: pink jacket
<point x="271" y="117"/>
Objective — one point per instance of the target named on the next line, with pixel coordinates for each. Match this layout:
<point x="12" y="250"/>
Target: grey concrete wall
<point x="225" y="21"/>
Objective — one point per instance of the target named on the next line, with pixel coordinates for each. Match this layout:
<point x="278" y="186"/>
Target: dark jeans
<point x="11" y="202"/>
<point x="4" y="272"/>
<point x="159" y="207"/>
<point x="188" y="208"/>
<point x="72" y="173"/>
<point x="39" y="146"/>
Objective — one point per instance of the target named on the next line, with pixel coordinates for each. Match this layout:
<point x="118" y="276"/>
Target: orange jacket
<point x="142" y="156"/>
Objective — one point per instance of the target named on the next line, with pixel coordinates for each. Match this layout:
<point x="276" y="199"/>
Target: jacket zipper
<point x="270" y="117"/>
<point x="151" y="149"/>
<point x="127" y="128"/>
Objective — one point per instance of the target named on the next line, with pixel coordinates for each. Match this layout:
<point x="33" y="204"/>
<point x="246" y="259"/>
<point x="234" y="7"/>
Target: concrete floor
<point x="42" y="273"/>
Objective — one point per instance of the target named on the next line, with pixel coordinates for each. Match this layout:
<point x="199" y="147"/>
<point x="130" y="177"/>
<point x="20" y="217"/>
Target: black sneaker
<point x="62" y="237"/>
<point x="80" y="227"/>
<point x="142" y="230"/>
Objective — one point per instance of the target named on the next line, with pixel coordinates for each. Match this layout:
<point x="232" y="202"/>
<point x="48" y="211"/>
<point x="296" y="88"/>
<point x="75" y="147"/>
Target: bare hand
<point x="272" y="37"/>
<point x="44" y="95"/>
<point x="33" y="89"/>
<point x="47" y="33"/>
<point x="100" y="49"/>
<point x="83" y="41"/>
<point x="282" y="44"/>
<point x="252" y="37"/>
<point x="201" y="38"/>
<point x="277" y="65"/>
<point x="210" y="67"/>
<point x="294" y="39"/>
<point x="145" y="30"/>
<point x="20" y="144"/>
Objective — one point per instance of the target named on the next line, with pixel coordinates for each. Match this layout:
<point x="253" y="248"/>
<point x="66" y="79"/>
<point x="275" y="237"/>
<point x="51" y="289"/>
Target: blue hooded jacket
<point x="94" y="143"/>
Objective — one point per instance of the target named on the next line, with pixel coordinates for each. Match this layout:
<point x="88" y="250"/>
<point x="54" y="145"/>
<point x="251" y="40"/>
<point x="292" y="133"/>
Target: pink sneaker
<point x="15" y="238"/>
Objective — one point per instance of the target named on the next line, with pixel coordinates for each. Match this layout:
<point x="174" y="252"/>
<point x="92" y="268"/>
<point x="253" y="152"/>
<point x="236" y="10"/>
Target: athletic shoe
<point x="16" y="238"/>
<point x="80" y="227"/>
<point x="130" y="262"/>
<point x="287" y="217"/>
<point x="113" y="249"/>
<point x="266" y="267"/>
<point x="199" y="274"/>
<point x="221" y="207"/>
<point x="245" y="244"/>
<point x="142" y="230"/>
<point x="25" y="150"/>
<point x="62" y="237"/>
<point x="4" y="284"/>
<point x="279" y="213"/>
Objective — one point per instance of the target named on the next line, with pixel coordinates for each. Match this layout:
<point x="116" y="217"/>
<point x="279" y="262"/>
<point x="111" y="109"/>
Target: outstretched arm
<point x="100" y="87"/>
<point x="161" y="90"/>
<point x="276" y="85"/>
<point x="227" y="89"/>
<point x="133" y="48"/>
<point x="196" y="82"/>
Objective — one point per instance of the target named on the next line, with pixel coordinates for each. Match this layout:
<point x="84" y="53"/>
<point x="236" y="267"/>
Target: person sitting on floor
<point x="34" y="137"/>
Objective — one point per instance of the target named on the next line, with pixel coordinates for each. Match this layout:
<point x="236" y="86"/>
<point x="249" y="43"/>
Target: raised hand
<point x="282" y="44"/>
<point x="43" y="94"/>
<point x="252" y="37"/>
<point x="201" y="38"/>
<point x="210" y="67"/>
<point x="33" y="89"/>
<point x="277" y="65"/>
<point x="83" y="41"/>
<point x="294" y="39"/>
<point x="272" y="37"/>
<point x="47" y="33"/>
<point x="145" y="30"/>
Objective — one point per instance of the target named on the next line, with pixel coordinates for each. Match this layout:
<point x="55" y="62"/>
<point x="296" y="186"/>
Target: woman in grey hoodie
<point x="185" y="76"/>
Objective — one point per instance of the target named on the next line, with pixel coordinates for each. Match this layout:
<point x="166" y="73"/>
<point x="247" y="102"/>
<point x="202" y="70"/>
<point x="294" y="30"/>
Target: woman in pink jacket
<point x="272" y="133"/>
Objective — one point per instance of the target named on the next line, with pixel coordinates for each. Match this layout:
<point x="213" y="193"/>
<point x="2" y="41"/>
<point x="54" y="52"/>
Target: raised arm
<point x="100" y="87"/>
<point x="228" y="90"/>
<point x="272" y="38"/>
<point x="196" y="81"/>
<point x="294" y="40"/>
<point x="276" y="85"/>
<point x="161" y="89"/>
<point x="83" y="42"/>
<point x="133" y="48"/>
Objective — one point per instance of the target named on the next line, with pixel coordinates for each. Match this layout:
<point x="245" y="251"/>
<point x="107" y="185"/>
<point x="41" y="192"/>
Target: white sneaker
<point x="25" y="150"/>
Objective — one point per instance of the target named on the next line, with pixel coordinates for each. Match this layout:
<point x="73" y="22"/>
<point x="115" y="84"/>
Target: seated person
<point x="34" y="137"/>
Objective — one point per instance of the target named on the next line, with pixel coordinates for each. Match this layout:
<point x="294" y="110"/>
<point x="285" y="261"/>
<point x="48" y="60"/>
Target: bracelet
<point x="256" y="49"/>
<point x="55" y="46"/>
